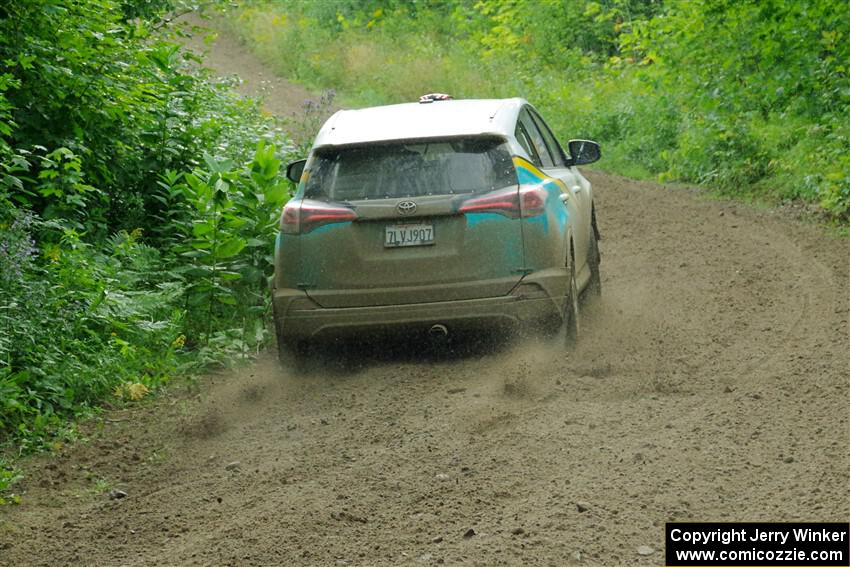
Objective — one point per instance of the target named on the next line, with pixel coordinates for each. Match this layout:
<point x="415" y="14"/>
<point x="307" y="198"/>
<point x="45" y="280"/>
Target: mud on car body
<point x="434" y="215"/>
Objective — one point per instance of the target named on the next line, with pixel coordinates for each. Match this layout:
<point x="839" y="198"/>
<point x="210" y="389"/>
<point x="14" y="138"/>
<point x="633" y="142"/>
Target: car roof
<point x="409" y="121"/>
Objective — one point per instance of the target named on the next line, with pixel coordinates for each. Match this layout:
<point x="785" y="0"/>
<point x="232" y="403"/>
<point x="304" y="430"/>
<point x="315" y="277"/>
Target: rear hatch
<point x="410" y="222"/>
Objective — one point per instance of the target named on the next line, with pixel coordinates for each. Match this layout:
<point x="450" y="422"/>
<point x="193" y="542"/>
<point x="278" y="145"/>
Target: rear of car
<point x="412" y="216"/>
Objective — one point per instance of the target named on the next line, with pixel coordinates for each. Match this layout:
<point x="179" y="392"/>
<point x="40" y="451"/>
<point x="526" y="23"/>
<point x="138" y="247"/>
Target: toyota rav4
<point x="436" y="215"/>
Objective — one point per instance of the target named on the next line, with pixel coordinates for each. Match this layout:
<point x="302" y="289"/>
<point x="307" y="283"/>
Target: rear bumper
<point x="298" y="318"/>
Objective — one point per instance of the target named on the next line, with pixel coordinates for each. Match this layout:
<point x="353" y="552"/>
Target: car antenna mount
<point x="434" y="97"/>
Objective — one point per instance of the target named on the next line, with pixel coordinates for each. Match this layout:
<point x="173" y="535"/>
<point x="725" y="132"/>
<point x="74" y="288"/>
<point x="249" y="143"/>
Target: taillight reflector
<point x="512" y="203"/>
<point x="304" y="215"/>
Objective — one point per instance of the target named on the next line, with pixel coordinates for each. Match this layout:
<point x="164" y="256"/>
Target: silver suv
<point x="434" y="215"/>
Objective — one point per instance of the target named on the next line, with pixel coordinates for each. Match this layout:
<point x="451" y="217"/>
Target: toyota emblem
<point x="406" y="208"/>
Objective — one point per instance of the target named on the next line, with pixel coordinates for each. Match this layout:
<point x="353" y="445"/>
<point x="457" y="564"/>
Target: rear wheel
<point x="594" y="286"/>
<point x="570" y="325"/>
<point x="292" y="357"/>
<point x="291" y="353"/>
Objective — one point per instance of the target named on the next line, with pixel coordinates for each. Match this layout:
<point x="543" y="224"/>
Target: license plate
<point x="396" y="235"/>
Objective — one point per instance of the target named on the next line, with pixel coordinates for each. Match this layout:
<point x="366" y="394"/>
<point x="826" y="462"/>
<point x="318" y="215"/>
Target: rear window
<point x="411" y="169"/>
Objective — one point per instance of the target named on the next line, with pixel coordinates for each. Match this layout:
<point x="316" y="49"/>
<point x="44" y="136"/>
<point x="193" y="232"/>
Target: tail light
<point x="302" y="216"/>
<point x="526" y="202"/>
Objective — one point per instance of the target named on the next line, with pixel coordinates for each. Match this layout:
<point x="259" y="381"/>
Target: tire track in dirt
<point x="711" y="384"/>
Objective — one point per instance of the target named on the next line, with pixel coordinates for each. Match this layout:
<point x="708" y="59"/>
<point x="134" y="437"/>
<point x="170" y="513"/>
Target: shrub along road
<point x="711" y="383"/>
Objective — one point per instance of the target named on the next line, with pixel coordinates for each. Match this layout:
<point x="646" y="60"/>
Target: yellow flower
<point x="137" y="391"/>
<point x="134" y="391"/>
<point x="179" y="342"/>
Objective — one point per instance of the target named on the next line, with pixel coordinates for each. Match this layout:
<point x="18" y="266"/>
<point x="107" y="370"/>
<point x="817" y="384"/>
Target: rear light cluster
<point x="527" y="202"/>
<point x="303" y="215"/>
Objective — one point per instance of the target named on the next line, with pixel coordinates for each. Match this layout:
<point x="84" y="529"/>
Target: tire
<point x="571" y="322"/>
<point x="291" y="354"/>
<point x="594" y="286"/>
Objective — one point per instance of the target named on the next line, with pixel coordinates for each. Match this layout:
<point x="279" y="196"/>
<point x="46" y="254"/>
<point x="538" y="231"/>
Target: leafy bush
<point x="755" y="83"/>
<point x="138" y="208"/>
<point x="226" y="250"/>
<point x="79" y="323"/>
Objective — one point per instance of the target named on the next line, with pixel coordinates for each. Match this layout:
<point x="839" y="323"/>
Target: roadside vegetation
<point x="748" y="97"/>
<point x="139" y="199"/>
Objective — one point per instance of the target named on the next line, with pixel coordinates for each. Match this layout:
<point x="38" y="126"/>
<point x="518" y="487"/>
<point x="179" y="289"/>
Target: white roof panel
<point x="420" y="120"/>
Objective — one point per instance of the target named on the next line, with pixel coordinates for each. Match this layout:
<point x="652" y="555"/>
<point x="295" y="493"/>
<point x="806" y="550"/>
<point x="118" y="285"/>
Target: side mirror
<point x="295" y="169"/>
<point x="584" y="151"/>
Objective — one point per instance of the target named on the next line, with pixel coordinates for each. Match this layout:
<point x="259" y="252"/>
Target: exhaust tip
<point x="438" y="331"/>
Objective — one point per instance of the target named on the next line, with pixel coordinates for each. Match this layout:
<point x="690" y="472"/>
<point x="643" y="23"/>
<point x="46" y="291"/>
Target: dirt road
<point x="711" y="383"/>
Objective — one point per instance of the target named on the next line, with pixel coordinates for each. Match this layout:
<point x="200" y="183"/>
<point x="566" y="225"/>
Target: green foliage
<point x="382" y="62"/>
<point x="119" y="104"/>
<point x="138" y="205"/>
<point x="9" y="475"/>
<point x="227" y="243"/>
<point x="77" y="322"/>
<point x="746" y="97"/>
<point x="762" y="90"/>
